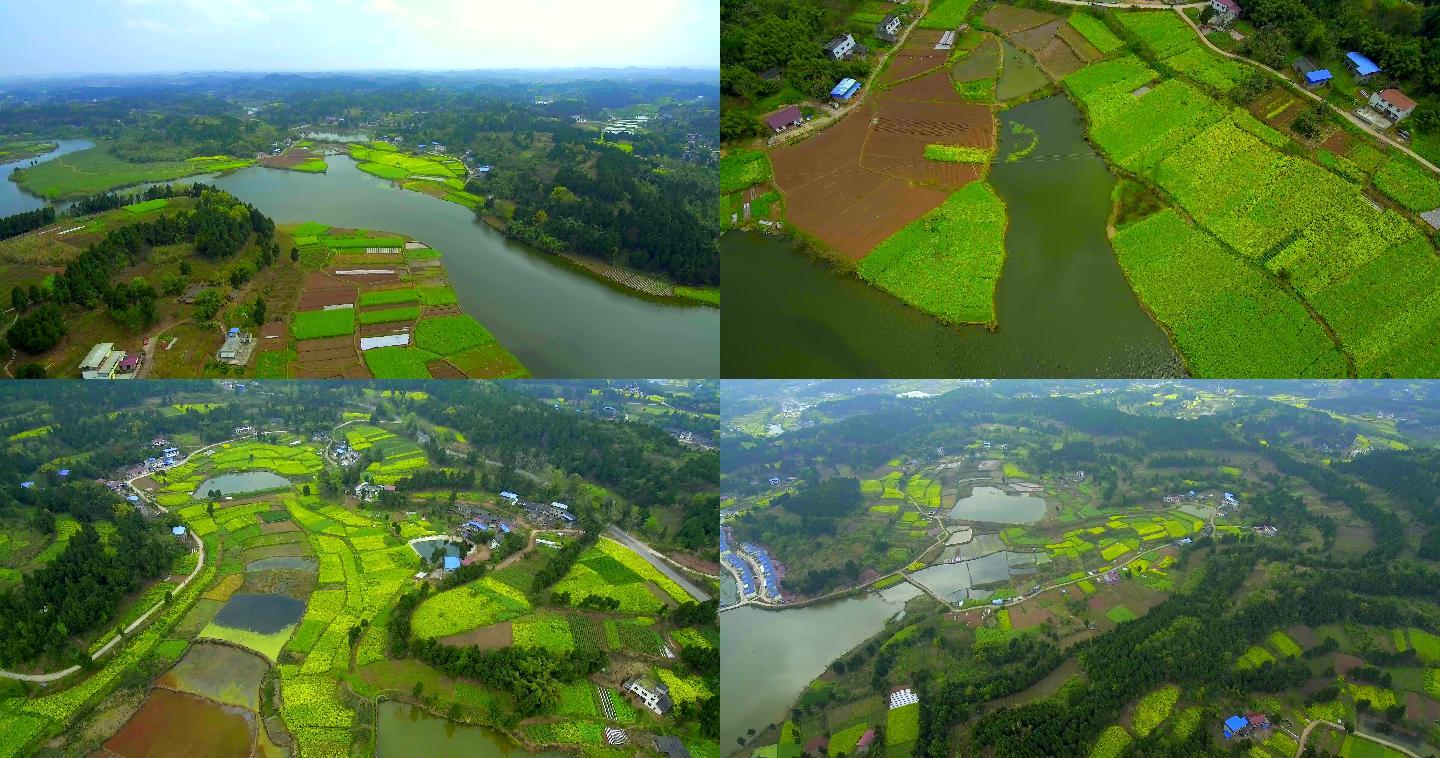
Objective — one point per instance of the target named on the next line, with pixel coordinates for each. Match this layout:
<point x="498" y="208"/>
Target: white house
<point x="1393" y="103"/>
<point x="653" y="695"/>
<point x="1226" y="11"/>
<point x="888" y="27"/>
<point x="367" y="491"/>
<point x="840" y="47"/>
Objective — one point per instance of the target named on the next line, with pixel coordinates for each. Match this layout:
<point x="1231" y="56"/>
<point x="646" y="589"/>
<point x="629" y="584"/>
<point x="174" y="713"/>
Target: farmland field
<point x="96" y="170"/>
<point x="314" y="324"/>
<point x="947" y="262"/>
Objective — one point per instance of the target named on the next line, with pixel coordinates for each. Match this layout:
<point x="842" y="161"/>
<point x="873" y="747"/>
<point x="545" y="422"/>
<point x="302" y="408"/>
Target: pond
<point x="557" y="321"/>
<point x="1064" y="307"/>
<point x="427" y="549"/>
<point x="293" y="562"/>
<point x="995" y="505"/>
<point x="245" y="481"/>
<point x="175" y="723"/>
<point x="12" y="199"/>
<point x="266" y="613"/>
<point x="772" y="656"/>
<point x="729" y="591"/>
<point x="1019" y="76"/>
<point x="407" y="730"/>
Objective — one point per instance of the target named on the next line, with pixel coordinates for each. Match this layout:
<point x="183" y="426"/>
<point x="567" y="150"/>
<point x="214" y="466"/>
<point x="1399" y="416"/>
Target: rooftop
<point x="1397" y="98"/>
<point x="1363" y="65"/>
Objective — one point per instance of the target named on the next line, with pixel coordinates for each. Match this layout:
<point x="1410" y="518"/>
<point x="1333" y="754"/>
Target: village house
<point x="1393" y="103"/>
<point x="101" y="361"/>
<point x="888" y="27"/>
<point x="784" y="118"/>
<point x="1311" y="76"/>
<point x="368" y="492"/>
<point x="1226" y="11"/>
<point x="653" y="695"/>
<point x="840" y="47"/>
<point x="1361" y="66"/>
<point x="236" y="348"/>
<point x="845" y="89"/>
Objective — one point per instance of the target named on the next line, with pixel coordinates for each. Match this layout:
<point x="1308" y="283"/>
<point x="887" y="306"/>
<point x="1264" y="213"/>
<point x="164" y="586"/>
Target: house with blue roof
<point x="452" y="562"/>
<point x="1311" y="76"/>
<point x="845" y="89"/>
<point x="1362" y="66"/>
<point x="1235" y="725"/>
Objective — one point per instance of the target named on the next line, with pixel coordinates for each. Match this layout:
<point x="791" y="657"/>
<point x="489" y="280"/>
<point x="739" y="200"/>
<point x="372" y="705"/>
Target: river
<point x="558" y="321"/>
<point x="13" y="200"/>
<point x="772" y="656"/>
<point x="1064" y="307"/>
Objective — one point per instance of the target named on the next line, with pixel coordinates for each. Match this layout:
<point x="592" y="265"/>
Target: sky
<point x="135" y="36"/>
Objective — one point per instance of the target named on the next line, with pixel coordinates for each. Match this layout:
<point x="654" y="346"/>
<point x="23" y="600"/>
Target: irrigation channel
<point x="1063" y="305"/>
<point x="773" y="655"/>
<point x="558" y="321"/>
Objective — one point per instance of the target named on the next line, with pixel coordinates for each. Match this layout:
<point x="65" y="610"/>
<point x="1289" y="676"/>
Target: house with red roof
<point x="784" y="118"/>
<point x="1226" y="11"/>
<point x="1393" y="103"/>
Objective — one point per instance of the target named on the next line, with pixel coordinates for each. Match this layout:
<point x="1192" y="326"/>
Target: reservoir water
<point x="1064" y="307"/>
<point x="557" y="321"/>
<point x="12" y="199"/>
<point x="772" y="656"/>
<point x="995" y="505"/>
<point x="407" y="730"/>
<point x="427" y="549"/>
<point x="245" y="481"/>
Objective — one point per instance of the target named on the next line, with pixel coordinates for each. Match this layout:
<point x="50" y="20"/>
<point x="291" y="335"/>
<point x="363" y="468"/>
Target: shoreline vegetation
<point x="16" y="151"/>
<point x="97" y="170"/>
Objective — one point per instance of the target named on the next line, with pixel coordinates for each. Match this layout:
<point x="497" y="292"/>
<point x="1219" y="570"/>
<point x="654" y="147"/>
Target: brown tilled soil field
<point x="864" y="179"/>
<point x="292" y="157"/>
<point x="439" y="369"/>
<point x="916" y="57"/>
<point x="1058" y="60"/>
<point x="1036" y="38"/>
<point x="321" y="289"/>
<point x="1009" y="19"/>
<point x="1077" y="42"/>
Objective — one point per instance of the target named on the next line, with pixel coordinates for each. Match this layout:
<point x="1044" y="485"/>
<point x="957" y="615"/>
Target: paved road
<point x="658" y="561"/>
<point x="1387" y="743"/>
<point x="1307" y="93"/>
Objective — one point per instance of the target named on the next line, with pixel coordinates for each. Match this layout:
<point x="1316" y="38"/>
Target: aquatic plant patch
<point x="948" y="261"/>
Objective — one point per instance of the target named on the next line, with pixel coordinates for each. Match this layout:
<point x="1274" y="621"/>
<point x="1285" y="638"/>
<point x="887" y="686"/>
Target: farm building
<point x="452" y="562"/>
<point x="671" y="746"/>
<point x="840" y="47"/>
<point x="236" y="348"/>
<point x="653" y="695"/>
<point x="367" y="491"/>
<point x="888" y="27"/>
<point x="1393" y="103"/>
<point x="845" y="89"/>
<point x="1226" y="11"/>
<point x="784" y="118"/>
<point x="1235" y="725"/>
<point x="178" y="531"/>
<point x="101" y="361"/>
<point x="1313" y="76"/>
<point x="1361" y="65"/>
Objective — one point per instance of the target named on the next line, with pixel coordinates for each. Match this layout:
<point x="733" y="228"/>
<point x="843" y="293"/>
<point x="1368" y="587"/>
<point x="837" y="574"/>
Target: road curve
<point x="658" y="561"/>
<point x="1379" y="740"/>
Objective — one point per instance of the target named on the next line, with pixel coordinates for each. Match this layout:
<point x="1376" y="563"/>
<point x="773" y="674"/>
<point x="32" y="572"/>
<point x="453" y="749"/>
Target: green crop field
<point x="437" y="295"/>
<point x="609" y="569"/>
<point x="1154" y="708"/>
<point x="957" y="154"/>
<point x="389" y="297"/>
<point x="1229" y="318"/>
<point x="364" y="240"/>
<point x="383" y="171"/>
<point x="480" y="603"/>
<point x="1096" y="33"/>
<point x="390" y="314"/>
<point x="902" y="724"/>
<point x="96" y="170"/>
<point x="946" y="14"/>
<point x="147" y="206"/>
<point x="1111" y="743"/>
<point x="947" y="262"/>
<point x="445" y="335"/>
<point x="314" y="324"/>
<point x="1163" y="34"/>
<point x="398" y="362"/>
<point x="1403" y="181"/>
<point x="742" y="169"/>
